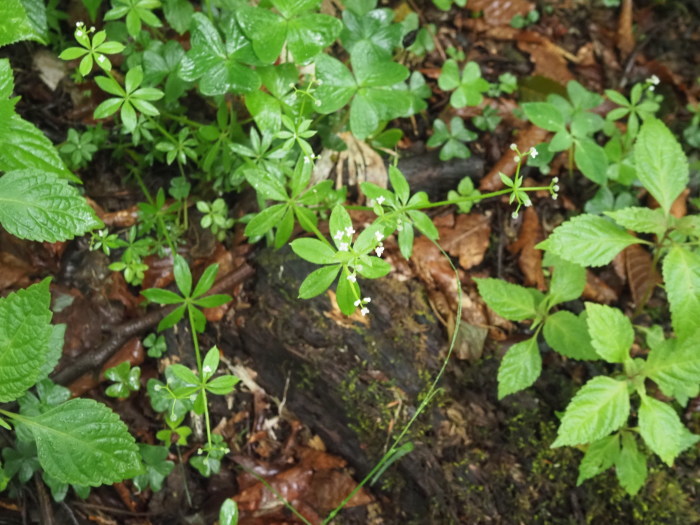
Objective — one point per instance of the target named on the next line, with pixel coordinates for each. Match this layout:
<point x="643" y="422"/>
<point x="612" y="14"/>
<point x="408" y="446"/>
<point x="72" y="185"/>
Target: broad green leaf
<point x="43" y="207"/>
<point x="219" y="67"/>
<point x="7" y="83"/>
<point x="23" y="145"/>
<point x="83" y="442"/>
<point x="228" y="514"/>
<point x="662" y="430"/>
<point x="544" y="115"/>
<point x="313" y="250"/>
<point x="681" y="271"/>
<point x="631" y="465"/>
<point x="337" y="84"/>
<point x="222" y="385"/>
<point x="675" y="366"/>
<point x="339" y="223"/>
<point x="642" y="220"/>
<point x="15" y="25"/>
<point x="568" y="282"/>
<point x="399" y="184"/>
<point x="599" y="457"/>
<point x="373" y="267"/>
<point x="592" y="160"/>
<point x="520" y="367"/>
<point x="161" y="296"/>
<point x="183" y="275"/>
<point x="512" y="301"/>
<point x="157" y="467"/>
<point x="589" y="240"/>
<point x="318" y="281"/>
<point x="178" y="14"/>
<point x="206" y="281"/>
<point x="568" y="334"/>
<point x="346" y="293"/>
<point x="600" y="407"/>
<point x="662" y="166"/>
<point x="25" y="337"/>
<point x="364" y="115"/>
<point x="374" y="29"/>
<point x="424" y="224"/>
<point x="309" y="34"/>
<point x="611" y="332"/>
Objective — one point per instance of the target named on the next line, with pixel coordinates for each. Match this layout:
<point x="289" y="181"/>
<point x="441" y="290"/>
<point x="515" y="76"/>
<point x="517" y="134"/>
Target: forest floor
<point x="322" y="394"/>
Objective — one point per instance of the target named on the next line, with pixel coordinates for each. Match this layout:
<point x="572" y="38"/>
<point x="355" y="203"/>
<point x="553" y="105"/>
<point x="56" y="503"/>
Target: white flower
<point x="555" y="187"/>
<point x="317" y="103"/>
<point x="379" y="236"/>
<point x="352" y="278"/>
<point x="343" y="247"/>
<point x="157" y="388"/>
<point x="555" y="180"/>
<point x="364" y="311"/>
<point x="207" y="369"/>
<point x="516" y="158"/>
<point x="349" y="230"/>
<point x="513" y="147"/>
<point x="339" y="235"/>
<point x="533" y="153"/>
<point x="291" y="85"/>
<point x="79" y="24"/>
<point x="359" y="267"/>
<point x="367" y="300"/>
<point x="79" y="33"/>
<point x="651" y="88"/>
<point x="554" y="196"/>
<point x="514" y="215"/>
<point x="100" y="58"/>
<point x="380" y="199"/>
<point x="379" y="250"/>
<point x="653" y="79"/>
<point x="357" y="303"/>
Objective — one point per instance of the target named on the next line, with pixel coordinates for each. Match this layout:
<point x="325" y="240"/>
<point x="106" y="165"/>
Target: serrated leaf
<point x="600" y="407"/>
<point x="512" y="301"/>
<point x="589" y="240"/>
<point x="599" y="457"/>
<point x="520" y="368"/>
<point x="662" y="429"/>
<point x="83" y="442"/>
<point x="643" y="220"/>
<point x="568" y="334"/>
<point x="631" y="465"/>
<point x="25" y="335"/>
<point x="681" y="271"/>
<point x="15" y="25"/>
<point x="568" y="282"/>
<point x="675" y="366"/>
<point x="23" y="145"/>
<point x="611" y="332"/>
<point x="662" y="166"/>
<point x="42" y="207"/>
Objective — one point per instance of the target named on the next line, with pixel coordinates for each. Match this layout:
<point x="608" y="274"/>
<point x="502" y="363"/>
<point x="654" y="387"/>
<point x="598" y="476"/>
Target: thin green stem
<point x="198" y="357"/>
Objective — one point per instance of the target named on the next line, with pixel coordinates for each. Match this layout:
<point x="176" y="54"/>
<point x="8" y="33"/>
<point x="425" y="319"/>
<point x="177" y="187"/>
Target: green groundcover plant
<point x="278" y="81"/>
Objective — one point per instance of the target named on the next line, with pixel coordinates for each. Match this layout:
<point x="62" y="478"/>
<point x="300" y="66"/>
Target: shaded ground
<point x="322" y="392"/>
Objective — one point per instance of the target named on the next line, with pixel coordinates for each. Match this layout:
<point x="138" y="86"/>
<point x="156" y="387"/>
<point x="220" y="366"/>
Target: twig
<point x="125" y="331"/>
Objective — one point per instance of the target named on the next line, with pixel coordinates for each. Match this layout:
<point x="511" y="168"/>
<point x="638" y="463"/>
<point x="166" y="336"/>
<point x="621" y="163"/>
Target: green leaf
<point x="611" y="332"/>
<point x="675" y="366"/>
<point x="662" y="166"/>
<point x="157" y="467"/>
<point x="25" y="337"/>
<point x="520" y="368"/>
<point x="222" y="385"/>
<point x="399" y="184"/>
<point x="599" y="457"/>
<point x="631" y="465"/>
<point x="313" y="250"/>
<point x="178" y="13"/>
<point x="592" y="160"/>
<point x="228" y="514"/>
<point x="681" y="271"/>
<point x="23" y="145"/>
<point x="643" y="220"/>
<point x="183" y="275"/>
<point x="662" y="430"/>
<point x="512" y="301"/>
<point x="568" y="334"/>
<point x="544" y="115"/>
<point x="172" y="318"/>
<point x="161" y="296"/>
<point x="318" y="281"/>
<point x="568" y="282"/>
<point x="82" y="442"/>
<point x="589" y="240"/>
<point x="184" y="374"/>
<point x="265" y="220"/>
<point x="424" y="224"/>
<point x="600" y="407"/>
<point x="212" y="301"/>
<point x="15" y="25"/>
<point x="206" y="281"/>
<point x="42" y="207"/>
<point x="337" y="84"/>
<point x="219" y="67"/>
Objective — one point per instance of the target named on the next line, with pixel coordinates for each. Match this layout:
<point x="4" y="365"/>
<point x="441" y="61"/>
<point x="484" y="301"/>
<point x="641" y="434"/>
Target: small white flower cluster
<point x="362" y="304"/>
<point x="653" y="81"/>
<point x="81" y="30"/>
<point x="555" y="188"/>
<point x="340" y="235"/>
<point x="519" y="157"/>
<point x="379" y="250"/>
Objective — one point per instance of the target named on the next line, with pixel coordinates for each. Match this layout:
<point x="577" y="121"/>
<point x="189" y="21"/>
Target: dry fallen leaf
<point x="467" y="238"/>
<point x="530" y="260"/>
<point x="642" y="277"/>
<point x="500" y="12"/>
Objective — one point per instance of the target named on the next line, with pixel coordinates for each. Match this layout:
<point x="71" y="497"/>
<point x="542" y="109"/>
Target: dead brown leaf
<point x="550" y="60"/>
<point x="500" y="12"/>
<point x="598" y="290"/>
<point x="625" y="35"/>
<point x="526" y="139"/>
<point x="642" y="277"/>
<point x="530" y="260"/>
<point x="467" y="238"/>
